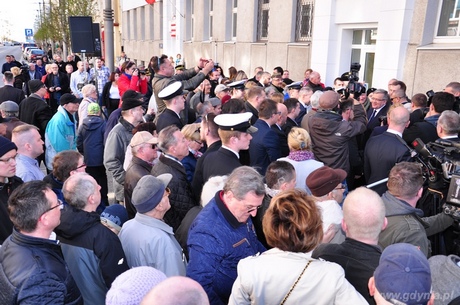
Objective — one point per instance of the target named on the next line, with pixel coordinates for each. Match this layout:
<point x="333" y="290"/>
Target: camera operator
<point x="406" y="223"/>
<point x="426" y="130"/>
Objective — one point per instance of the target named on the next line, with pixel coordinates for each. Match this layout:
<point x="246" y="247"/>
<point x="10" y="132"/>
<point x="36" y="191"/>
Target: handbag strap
<point x="295" y="283"/>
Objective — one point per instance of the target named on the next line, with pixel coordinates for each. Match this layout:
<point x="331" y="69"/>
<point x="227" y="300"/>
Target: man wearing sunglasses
<point x="144" y="149"/>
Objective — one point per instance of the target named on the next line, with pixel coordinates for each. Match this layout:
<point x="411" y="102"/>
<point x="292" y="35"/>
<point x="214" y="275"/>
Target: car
<point x="35" y="54"/>
<point x="28" y="44"/>
<point x="7" y="43"/>
<point x="25" y="54"/>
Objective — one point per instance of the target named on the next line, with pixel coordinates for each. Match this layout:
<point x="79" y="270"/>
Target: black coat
<point x="381" y="154"/>
<point x="167" y="118"/>
<point x="357" y="259"/>
<point x="35" y="111"/>
<point x="33" y="270"/>
<point x="6" y="226"/>
<point x="9" y="93"/>
<point x="288" y="125"/>
<point x="181" y="198"/>
<point x="220" y="163"/>
<point x="284" y="148"/>
<point x="198" y="180"/>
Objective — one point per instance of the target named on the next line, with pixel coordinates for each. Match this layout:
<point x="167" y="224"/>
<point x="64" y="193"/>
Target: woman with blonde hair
<point x="287" y="274"/>
<point x="192" y="133"/>
<point x="301" y="156"/>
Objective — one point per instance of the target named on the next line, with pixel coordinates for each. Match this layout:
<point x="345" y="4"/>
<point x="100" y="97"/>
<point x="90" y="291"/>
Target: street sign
<point x="29" y="32"/>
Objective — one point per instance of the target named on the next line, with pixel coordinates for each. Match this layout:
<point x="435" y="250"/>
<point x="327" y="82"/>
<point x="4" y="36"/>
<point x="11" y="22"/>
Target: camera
<point x="353" y="87"/>
<point x="142" y="72"/>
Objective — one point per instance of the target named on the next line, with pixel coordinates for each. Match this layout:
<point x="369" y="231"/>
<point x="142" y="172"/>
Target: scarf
<point x="301" y="155"/>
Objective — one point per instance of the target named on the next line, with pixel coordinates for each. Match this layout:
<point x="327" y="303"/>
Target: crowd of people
<point x="226" y="190"/>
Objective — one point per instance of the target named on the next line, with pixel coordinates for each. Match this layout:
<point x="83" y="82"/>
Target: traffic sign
<point x="29" y="32"/>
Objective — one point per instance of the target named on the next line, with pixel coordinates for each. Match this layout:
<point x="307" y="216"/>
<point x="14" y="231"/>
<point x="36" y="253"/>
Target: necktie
<point x="373" y="115"/>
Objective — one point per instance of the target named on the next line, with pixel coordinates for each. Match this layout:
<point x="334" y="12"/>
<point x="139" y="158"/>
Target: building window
<point x="234" y="18"/>
<point x="304" y="20"/>
<point x="189" y="20"/>
<point x="448" y="19"/>
<point x="264" y="9"/>
<point x="211" y="18"/>
<point x="363" y="52"/>
<point x="142" y="19"/>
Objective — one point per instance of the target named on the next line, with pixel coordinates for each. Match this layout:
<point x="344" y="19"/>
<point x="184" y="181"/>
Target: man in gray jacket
<point x="406" y="223"/>
<point x="120" y="137"/>
<point x="164" y="75"/>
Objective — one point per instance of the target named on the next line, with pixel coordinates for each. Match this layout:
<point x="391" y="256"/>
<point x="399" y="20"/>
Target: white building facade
<point x="414" y="41"/>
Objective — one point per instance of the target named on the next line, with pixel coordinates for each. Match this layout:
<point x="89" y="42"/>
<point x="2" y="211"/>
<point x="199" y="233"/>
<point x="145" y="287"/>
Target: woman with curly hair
<point x="287" y="274"/>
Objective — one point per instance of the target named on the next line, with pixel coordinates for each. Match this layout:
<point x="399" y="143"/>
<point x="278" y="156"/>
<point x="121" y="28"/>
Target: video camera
<point x="441" y="167"/>
<point x="353" y="87"/>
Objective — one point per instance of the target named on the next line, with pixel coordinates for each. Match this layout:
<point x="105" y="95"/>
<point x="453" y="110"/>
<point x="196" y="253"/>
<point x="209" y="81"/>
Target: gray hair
<point x="77" y="189"/>
<point x="450" y="122"/>
<point x="243" y="180"/>
<point x="314" y="99"/>
<point x="166" y="138"/>
<point x="88" y="89"/>
<point x="386" y="96"/>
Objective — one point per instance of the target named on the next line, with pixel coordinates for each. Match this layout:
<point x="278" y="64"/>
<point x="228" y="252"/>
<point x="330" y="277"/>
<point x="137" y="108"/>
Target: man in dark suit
<point x="235" y="132"/>
<point x="284" y="148"/>
<point x="173" y="96"/>
<point x="293" y="108"/>
<point x="210" y="135"/>
<point x="8" y="92"/>
<point x="255" y="96"/>
<point x="380" y="103"/>
<point x="57" y="84"/>
<point x="384" y="151"/>
<point x="419" y="109"/>
<point x="264" y="147"/>
<point x="426" y="130"/>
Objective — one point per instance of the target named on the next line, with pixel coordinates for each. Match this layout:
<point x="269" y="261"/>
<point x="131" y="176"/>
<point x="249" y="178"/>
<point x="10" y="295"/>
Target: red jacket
<point x="135" y="83"/>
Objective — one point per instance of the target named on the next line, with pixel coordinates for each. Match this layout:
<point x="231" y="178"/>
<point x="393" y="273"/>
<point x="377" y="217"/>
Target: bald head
<point x="177" y="290"/>
<point x="328" y="100"/>
<point x="398" y="118"/>
<point x="363" y="215"/>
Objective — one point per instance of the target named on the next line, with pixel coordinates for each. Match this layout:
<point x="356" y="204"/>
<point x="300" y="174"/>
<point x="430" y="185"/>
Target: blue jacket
<point x="33" y="271"/>
<point x="189" y="163"/>
<point x="60" y="134"/>
<point x="216" y="243"/>
<point x="90" y="140"/>
<point x="264" y="147"/>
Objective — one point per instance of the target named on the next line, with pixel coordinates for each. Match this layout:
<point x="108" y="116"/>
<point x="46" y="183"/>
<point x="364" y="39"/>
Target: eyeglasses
<point x="252" y="209"/>
<point x="9" y="159"/>
<point x="341" y="187"/>
<point x="397" y="97"/>
<point x="377" y="99"/>
<point x="59" y="204"/>
<point x="278" y="113"/>
<point x="198" y="142"/>
<point x="167" y="192"/>
<point x="81" y="166"/>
